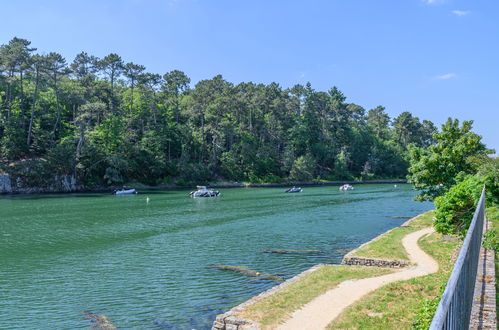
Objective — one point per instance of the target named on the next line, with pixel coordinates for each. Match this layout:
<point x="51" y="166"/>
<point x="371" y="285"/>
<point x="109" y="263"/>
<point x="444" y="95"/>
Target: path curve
<point x="318" y="313"/>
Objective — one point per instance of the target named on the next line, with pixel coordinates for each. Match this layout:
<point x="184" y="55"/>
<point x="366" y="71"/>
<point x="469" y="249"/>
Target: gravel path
<point x="318" y="313"/>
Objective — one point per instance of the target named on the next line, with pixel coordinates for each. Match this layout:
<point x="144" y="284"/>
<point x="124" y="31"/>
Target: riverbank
<point x="66" y="184"/>
<point x="382" y="306"/>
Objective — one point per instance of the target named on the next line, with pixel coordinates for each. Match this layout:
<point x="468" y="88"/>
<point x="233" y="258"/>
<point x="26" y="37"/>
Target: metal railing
<point x="454" y="309"/>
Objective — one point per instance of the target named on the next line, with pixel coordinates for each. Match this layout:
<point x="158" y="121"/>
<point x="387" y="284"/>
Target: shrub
<point x="455" y="209"/>
<point x="303" y="168"/>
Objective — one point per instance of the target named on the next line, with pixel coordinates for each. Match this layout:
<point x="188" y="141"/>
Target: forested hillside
<point x="105" y="122"/>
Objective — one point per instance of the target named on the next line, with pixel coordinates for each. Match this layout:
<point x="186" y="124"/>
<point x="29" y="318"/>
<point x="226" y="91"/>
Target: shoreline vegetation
<point x="90" y="121"/>
<point x="224" y="185"/>
<point x="383" y="306"/>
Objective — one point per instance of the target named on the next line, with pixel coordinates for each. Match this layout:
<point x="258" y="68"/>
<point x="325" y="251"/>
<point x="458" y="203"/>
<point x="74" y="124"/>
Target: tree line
<point x="102" y="121"/>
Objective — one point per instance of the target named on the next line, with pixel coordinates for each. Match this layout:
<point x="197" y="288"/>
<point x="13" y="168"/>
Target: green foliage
<point x="455" y="209"/>
<point x="424" y="316"/>
<point x="109" y="122"/>
<point x="435" y="169"/>
<point x="488" y="170"/>
<point x="60" y="158"/>
<point x="13" y="143"/>
<point x="115" y="173"/>
<point x="231" y="166"/>
<point x="341" y="167"/>
<point x="193" y="173"/>
<point x="491" y="240"/>
<point x="491" y="236"/>
<point x="303" y="168"/>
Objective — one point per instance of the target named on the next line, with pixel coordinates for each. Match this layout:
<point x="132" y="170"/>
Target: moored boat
<point x="204" y="192"/>
<point x="346" y="187"/>
<point x="125" y="191"/>
<point x="294" y="190"/>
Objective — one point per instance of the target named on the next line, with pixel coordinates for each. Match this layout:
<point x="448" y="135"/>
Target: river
<point x="145" y="265"/>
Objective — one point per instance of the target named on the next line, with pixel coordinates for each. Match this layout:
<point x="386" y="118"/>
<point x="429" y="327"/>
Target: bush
<point x="303" y="168"/>
<point x="455" y="209"/>
<point x="231" y="167"/>
<point x="194" y="173"/>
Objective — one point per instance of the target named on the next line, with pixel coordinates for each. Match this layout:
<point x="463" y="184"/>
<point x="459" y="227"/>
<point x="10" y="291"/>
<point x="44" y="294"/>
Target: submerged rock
<point x="99" y="321"/>
<point x="247" y="272"/>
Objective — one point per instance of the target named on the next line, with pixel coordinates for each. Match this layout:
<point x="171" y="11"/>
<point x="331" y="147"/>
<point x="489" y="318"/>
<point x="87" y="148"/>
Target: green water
<point x="146" y="265"/>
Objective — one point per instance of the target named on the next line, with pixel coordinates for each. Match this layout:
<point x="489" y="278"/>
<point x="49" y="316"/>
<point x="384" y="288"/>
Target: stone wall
<point x="372" y="262"/>
<point x="230" y="319"/>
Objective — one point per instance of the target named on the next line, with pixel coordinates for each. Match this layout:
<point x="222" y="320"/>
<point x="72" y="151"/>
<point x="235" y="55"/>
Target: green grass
<point x="492" y="214"/>
<point x="395" y="305"/>
<point x="423" y="220"/>
<point x="272" y="310"/>
<point x="389" y="245"/>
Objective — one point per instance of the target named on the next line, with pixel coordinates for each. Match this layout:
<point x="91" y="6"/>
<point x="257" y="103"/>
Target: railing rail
<point x="454" y="309"/>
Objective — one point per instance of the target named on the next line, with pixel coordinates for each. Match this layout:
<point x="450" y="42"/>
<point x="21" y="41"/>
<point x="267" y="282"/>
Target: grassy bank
<point x="492" y="239"/>
<point x="389" y="245"/>
<point x="272" y="310"/>
<point x="395" y="305"/>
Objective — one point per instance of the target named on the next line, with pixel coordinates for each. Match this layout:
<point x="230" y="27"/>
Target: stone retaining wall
<point x="372" y="262"/>
<point x="230" y="320"/>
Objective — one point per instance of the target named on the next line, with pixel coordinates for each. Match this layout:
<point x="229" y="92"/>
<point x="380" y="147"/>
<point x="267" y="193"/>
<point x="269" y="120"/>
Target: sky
<point x="434" y="58"/>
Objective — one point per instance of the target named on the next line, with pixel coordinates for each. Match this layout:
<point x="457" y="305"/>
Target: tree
<point x="303" y="168"/>
<point x="153" y="128"/>
<point x="406" y="129"/>
<point x="84" y="65"/>
<point x="15" y="57"/>
<point x="435" y="169"/>
<point x="38" y="63"/>
<point x="176" y="83"/>
<point x="378" y="120"/>
<point x="113" y="67"/>
<point x="56" y="67"/>
<point x="133" y="72"/>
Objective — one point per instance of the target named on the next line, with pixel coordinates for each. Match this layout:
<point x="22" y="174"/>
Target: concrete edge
<point x="230" y="321"/>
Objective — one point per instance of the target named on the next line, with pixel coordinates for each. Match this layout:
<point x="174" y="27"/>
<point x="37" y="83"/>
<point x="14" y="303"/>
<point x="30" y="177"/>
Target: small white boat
<point x="346" y="187"/>
<point x="294" y="190"/>
<point x="125" y="191"/>
<point x="204" y="192"/>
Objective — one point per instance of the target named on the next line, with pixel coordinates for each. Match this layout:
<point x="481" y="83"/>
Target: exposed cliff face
<point x="59" y="183"/>
<point x="5" y="185"/>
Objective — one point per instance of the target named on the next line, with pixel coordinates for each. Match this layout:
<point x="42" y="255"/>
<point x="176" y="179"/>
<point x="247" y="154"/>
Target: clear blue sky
<point x="434" y="58"/>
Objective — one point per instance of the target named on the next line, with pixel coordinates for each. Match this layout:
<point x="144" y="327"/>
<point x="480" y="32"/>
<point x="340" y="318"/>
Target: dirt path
<point x="318" y="313"/>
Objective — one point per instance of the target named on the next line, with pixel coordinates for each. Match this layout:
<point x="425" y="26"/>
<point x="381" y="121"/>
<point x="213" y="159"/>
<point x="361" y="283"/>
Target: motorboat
<point x="294" y="190"/>
<point x="346" y="187"/>
<point x="125" y="191"/>
<point x="204" y="192"/>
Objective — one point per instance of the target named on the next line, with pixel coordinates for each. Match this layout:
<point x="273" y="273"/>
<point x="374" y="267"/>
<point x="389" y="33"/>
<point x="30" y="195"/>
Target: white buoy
<point x="147" y="200"/>
<point x="395" y="186"/>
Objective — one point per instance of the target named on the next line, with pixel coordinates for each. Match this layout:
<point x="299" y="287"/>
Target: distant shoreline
<point x="141" y="187"/>
<point x="308" y="183"/>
